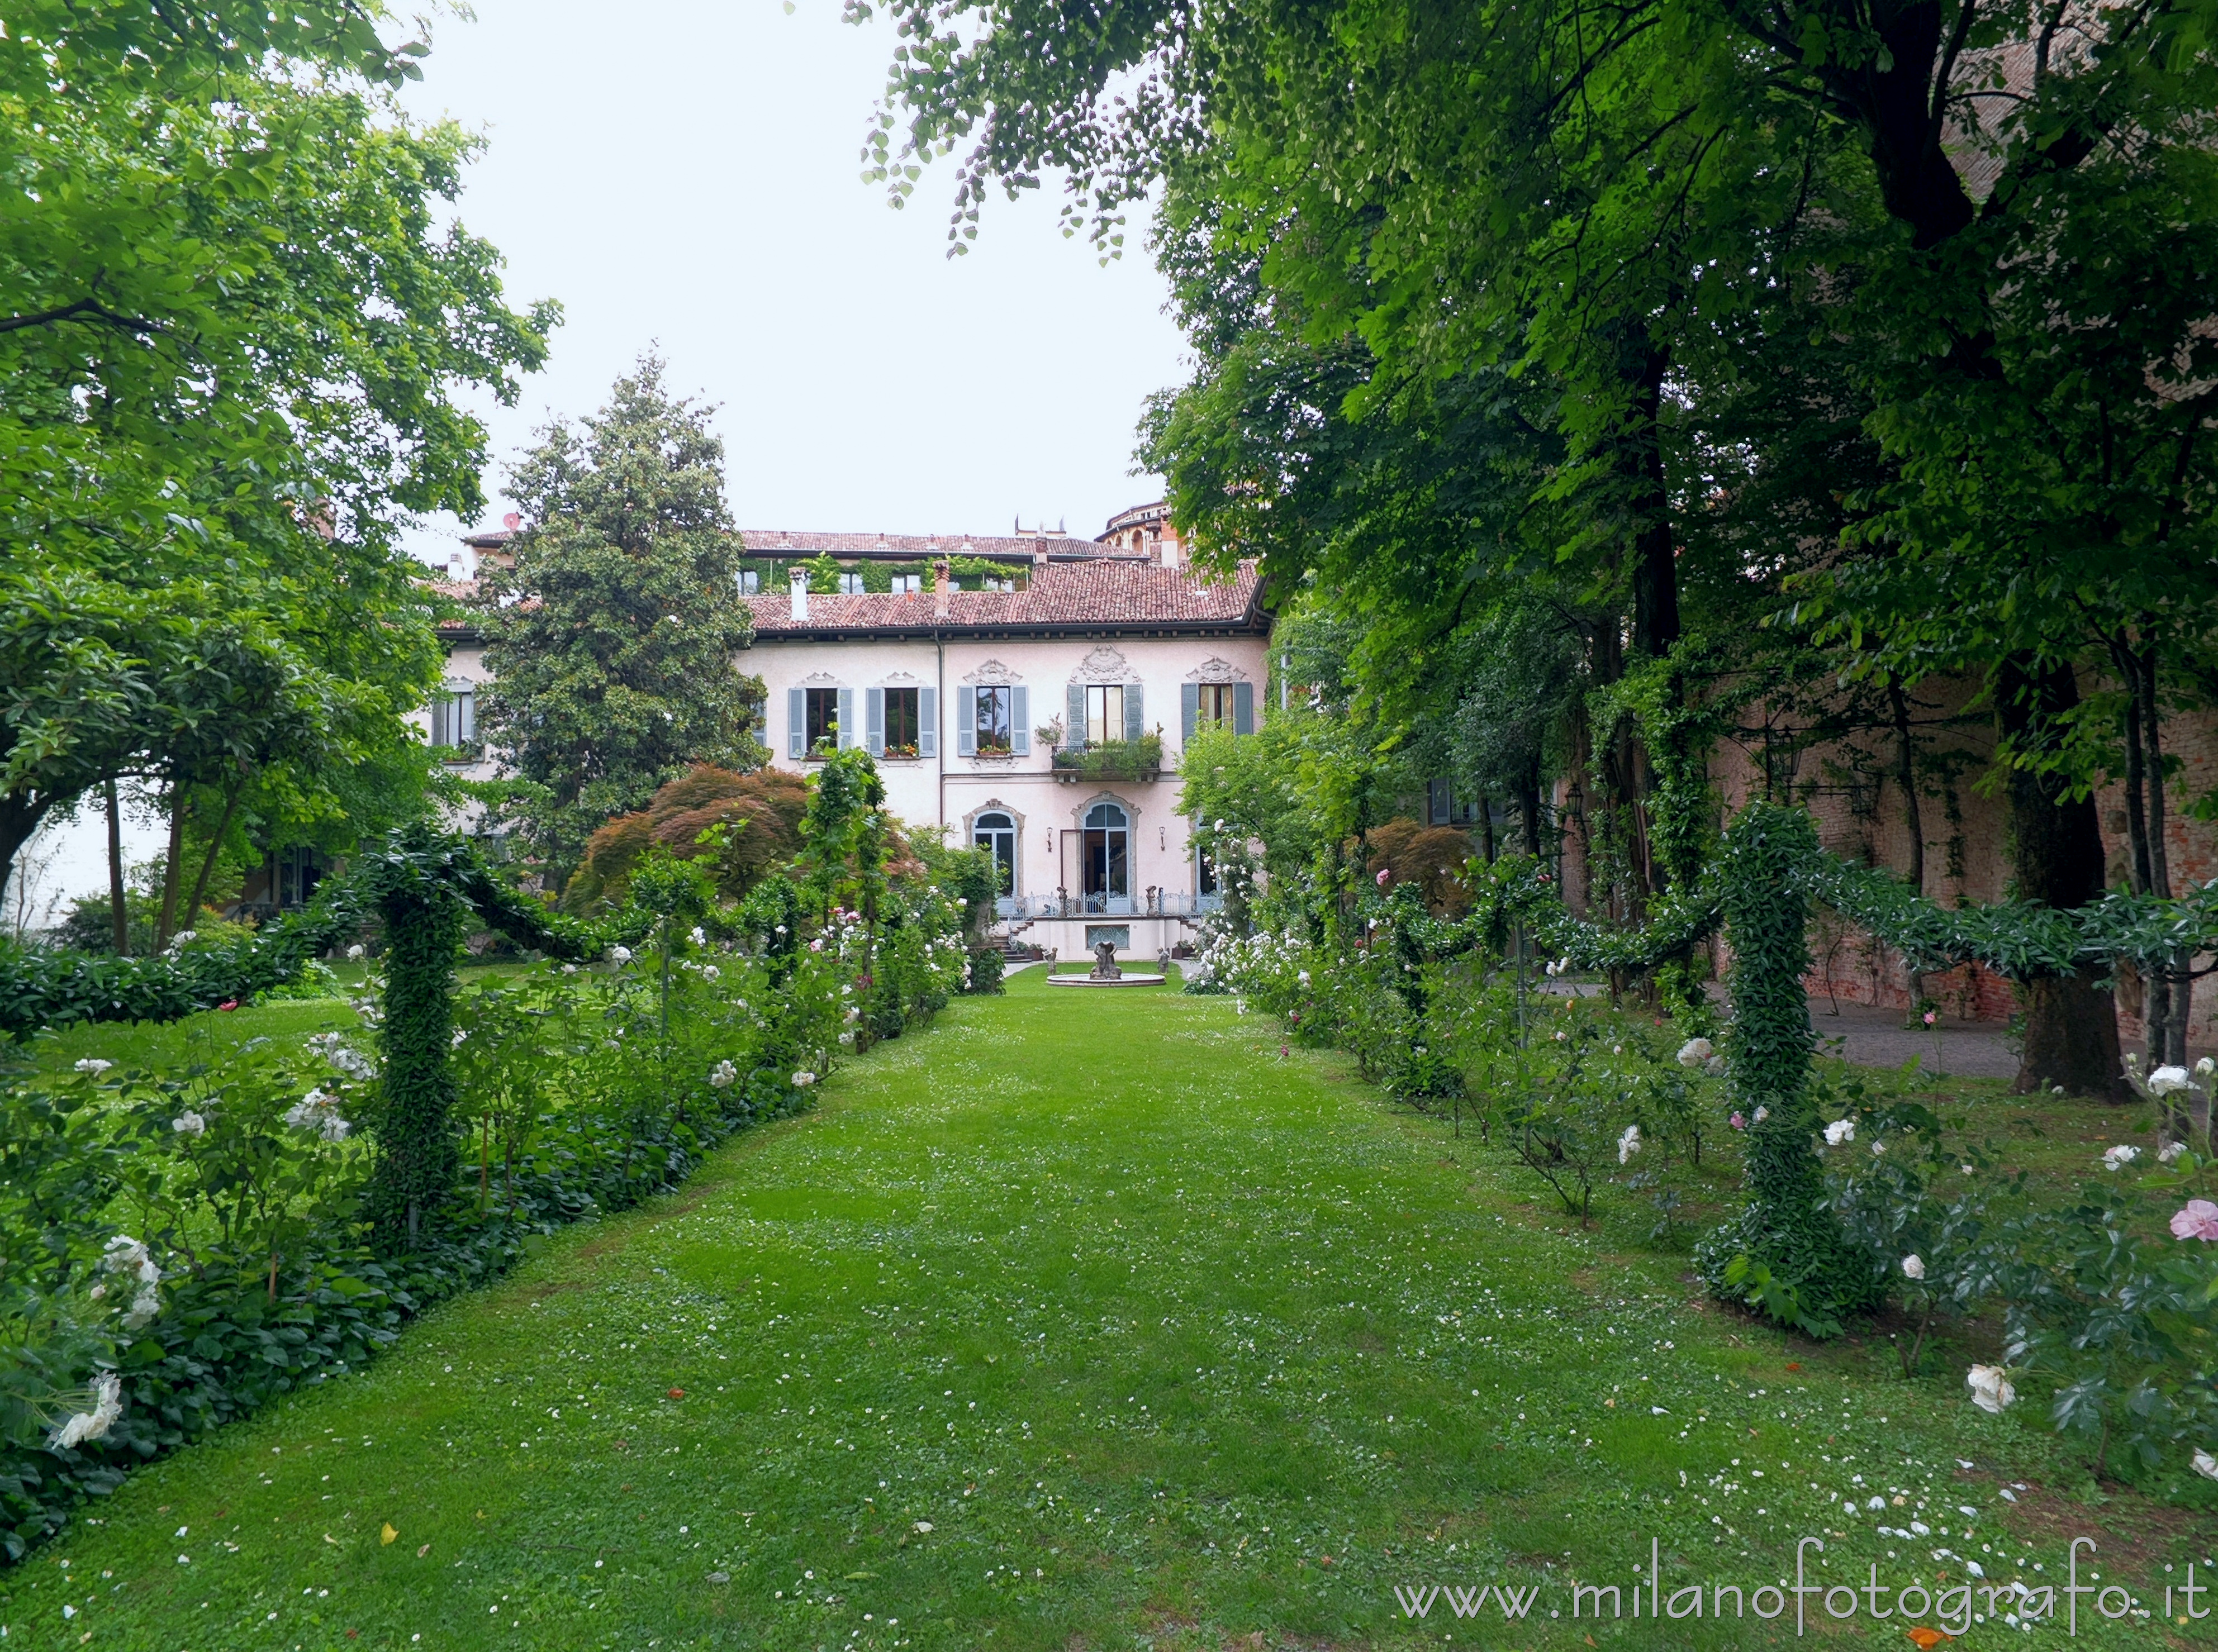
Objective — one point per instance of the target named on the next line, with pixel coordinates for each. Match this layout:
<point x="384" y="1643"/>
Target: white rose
<point x="1628" y="1144"/>
<point x="1696" y="1052"/>
<point x="2119" y="1157"/>
<point x="1913" y="1267"/>
<point x="2169" y="1081"/>
<point x="1840" y="1130"/>
<point x="93" y="1066"/>
<point x="1991" y="1388"/>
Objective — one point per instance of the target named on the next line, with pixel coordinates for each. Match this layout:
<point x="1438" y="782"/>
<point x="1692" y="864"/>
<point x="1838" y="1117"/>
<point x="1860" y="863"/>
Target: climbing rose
<point x="1840" y="1130"/>
<point x="2196" y="1219"/>
<point x="802" y="1080"/>
<point x="1628" y="1144"/>
<point x="2169" y="1080"/>
<point x="2169" y="1151"/>
<point x="2119" y="1157"/>
<point x="94" y="1065"/>
<point x="189" y="1124"/>
<point x="723" y="1076"/>
<point x="1913" y="1267"/>
<point x="1696" y="1051"/>
<point x="1737" y="1121"/>
<point x="619" y="955"/>
<point x="1991" y="1388"/>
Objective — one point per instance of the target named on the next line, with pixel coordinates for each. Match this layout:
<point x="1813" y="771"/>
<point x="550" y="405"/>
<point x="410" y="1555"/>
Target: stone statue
<point x="1105" y="962"/>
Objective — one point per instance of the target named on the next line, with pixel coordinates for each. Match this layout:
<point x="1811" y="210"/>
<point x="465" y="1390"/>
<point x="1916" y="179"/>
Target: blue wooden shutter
<point x="1020" y="722"/>
<point x="1243" y="707"/>
<point x="1074" y="735"/>
<point x="1189" y="711"/>
<point x="874" y="721"/>
<point x="966" y="723"/>
<point x="1136" y="723"/>
<point x="797" y="722"/>
<point x="846" y="719"/>
<point x="927" y="722"/>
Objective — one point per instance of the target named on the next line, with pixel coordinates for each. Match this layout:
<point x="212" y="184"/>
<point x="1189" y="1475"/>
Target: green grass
<point x="1085" y="1320"/>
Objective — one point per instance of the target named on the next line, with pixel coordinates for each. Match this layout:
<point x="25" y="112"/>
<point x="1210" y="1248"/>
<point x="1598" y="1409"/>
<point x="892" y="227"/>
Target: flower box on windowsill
<point x="1139" y="759"/>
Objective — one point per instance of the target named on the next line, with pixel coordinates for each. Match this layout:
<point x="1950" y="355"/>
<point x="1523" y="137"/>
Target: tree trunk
<point x="2072" y="1024"/>
<point x="2177" y="992"/>
<point x="1913" y="817"/>
<point x="215" y="848"/>
<point x="119" y="908"/>
<point x="173" y="868"/>
<point x="1486" y="827"/>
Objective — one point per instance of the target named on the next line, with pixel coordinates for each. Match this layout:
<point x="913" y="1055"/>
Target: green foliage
<point x="238" y="326"/>
<point x="616" y="675"/>
<point x="1785" y="1226"/>
<point x="1135" y="759"/>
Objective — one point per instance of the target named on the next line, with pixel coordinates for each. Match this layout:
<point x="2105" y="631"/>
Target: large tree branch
<point x="83" y="309"/>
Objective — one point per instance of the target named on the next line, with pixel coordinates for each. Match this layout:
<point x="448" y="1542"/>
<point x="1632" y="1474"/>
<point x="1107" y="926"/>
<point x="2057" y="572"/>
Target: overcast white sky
<point x="685" y="174"/>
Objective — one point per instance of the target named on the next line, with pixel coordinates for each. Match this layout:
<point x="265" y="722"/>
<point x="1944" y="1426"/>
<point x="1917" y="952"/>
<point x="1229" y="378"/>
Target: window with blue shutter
<point x="927" y="722"/>
<point x="1136" y="723"/>
<point x="874" y="721"/>
<point x="1020" y="722"/>
<point x="796" y="723"/>
<point x="966" y="725"/>
<point x="1074" y="726"/>
<point x="1189" y="711"/>
<point x="847" y="730"/>
<point x="1243" y="707"/>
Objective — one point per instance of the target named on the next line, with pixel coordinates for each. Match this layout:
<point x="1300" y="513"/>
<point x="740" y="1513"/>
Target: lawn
<point x="1089" y="1321"/>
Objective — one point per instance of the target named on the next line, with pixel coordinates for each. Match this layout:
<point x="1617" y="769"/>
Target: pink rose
<point x="2198" y="1219"/>
<point x="1386" y="872"/>
<point x="1737" y="1121"/>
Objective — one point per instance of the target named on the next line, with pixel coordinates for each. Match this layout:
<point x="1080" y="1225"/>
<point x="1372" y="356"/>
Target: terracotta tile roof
<point x="1089" y="594"/>
<point x="770" y="541"/>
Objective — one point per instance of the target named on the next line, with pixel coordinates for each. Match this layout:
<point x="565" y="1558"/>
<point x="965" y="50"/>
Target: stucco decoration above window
<point x="900" y="678"/>
<point x="990" y="672"/>
<point x="1104" y="665"/>
<point x="818" y="680"/>
<point x="1214" y="669"/>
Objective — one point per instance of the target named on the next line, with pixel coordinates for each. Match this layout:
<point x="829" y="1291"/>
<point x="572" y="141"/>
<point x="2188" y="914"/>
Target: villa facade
<point x="1031" y="695"/>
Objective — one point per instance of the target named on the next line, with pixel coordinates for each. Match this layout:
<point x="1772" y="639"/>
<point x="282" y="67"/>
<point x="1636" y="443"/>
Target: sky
<point x="684" y="176"/>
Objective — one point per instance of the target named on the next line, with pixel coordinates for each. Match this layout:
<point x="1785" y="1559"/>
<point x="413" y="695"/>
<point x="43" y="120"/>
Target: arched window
<point x="1105" y="860"/>
<point x="996" y="833"/>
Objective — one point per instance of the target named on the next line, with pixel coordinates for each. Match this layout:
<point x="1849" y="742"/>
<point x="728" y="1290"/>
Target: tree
<point x="2001" y="208"/>
<point x="232" y="328"/>
<point x="611" y="637"/>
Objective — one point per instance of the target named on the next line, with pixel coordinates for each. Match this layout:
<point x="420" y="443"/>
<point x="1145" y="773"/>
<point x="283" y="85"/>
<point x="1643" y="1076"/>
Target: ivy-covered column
<point x="413" y="884"/>
<point x="1785" y="1229"/>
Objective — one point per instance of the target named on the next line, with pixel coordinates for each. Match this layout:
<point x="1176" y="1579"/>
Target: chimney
<point x="800" y="577"/>
<point x="1170" y="547"/>
<point x="942" y="587"/>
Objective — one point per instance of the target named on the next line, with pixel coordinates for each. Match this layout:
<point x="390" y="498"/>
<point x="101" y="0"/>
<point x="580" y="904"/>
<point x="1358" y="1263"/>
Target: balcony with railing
<point x="1133" y="759"/>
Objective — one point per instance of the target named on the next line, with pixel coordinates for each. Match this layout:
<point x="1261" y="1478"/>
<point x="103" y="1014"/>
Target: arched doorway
<point x="1106" y="859"/>
<point x="995" y="833"/>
